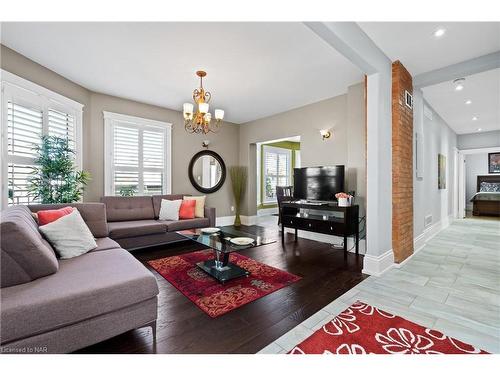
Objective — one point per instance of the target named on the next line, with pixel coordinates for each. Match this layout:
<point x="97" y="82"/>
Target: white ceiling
<point x="414" y="44"/>
<point x="254" y="69"/>
<point x="483" y="89"/>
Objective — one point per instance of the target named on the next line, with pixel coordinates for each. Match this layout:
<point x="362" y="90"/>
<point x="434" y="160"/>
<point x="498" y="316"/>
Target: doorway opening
<point x="276" y="160"/>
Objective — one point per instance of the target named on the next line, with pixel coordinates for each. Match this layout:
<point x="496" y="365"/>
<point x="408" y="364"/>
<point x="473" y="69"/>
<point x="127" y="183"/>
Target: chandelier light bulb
<point x="219" y="114"/>
<point x="188" y="108"/>
<point x="203" y="107"/>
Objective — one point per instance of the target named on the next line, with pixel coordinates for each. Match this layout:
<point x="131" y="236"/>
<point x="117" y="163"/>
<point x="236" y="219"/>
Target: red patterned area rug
<point x="213" y="297"/>
<point x="364" y="329"/>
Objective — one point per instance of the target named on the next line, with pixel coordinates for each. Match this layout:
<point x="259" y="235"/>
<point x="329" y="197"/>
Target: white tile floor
<point x="451" y="285"/>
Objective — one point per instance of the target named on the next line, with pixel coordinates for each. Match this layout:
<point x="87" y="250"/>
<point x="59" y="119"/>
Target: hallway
<point x="452" y="285"/>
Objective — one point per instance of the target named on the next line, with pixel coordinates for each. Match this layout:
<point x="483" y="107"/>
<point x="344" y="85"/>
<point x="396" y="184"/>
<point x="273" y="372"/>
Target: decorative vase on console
<point x="343" y="199"/>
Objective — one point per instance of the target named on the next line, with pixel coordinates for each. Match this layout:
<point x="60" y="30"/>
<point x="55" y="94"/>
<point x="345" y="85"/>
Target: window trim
<point x="276" y="150"/>
<point x="110" y="118"/>
<point x="33" y="94"/>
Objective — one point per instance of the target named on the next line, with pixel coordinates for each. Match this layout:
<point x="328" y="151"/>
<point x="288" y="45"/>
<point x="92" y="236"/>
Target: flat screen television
<point x="318" y="183"/>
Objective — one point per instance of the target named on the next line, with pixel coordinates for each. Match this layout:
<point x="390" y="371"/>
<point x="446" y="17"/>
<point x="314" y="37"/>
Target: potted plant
<point x="344" y="199"/>
<point x="54" y="178"/>
<point x="238" y="176"/>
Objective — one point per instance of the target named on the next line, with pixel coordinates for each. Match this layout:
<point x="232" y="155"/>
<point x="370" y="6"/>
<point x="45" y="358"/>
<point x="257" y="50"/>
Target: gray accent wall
<point x="344" y="115"/>
<point x="184" y="145"/>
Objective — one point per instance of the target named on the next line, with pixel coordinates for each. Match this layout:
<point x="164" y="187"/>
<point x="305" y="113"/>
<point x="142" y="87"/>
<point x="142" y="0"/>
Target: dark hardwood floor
<point x="183" y="328"/>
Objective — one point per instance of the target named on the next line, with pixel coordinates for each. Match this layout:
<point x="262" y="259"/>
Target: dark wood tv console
<point x="333" y="220"/>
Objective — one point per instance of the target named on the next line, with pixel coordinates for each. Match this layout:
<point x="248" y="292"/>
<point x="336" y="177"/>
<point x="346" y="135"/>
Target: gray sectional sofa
<point x="133" y="221"/>
<point x="50" y="305"/>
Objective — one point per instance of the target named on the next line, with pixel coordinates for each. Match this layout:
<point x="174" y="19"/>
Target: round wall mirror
<point x="207" y="171"/>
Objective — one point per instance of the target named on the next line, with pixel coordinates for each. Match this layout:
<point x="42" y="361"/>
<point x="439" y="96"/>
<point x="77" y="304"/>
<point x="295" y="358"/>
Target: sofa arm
<point x="210" y="214"/>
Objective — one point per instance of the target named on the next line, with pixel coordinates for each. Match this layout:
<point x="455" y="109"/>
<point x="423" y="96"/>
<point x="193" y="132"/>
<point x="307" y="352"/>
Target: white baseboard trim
<point x="428" y="233"/>
<point x="377" y="265"/>
<point x="267" y="211"/>
<point x="249" y="220"/>
<point x="229" y="220"/>
<point x="223" y="221"/>
<point x="334" y="240"/>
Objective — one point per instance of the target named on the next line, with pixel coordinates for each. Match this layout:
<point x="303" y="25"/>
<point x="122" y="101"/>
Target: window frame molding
<point x="110" y="118"/>
<point x="15" y="86"/>
<point x="276" y="150"/>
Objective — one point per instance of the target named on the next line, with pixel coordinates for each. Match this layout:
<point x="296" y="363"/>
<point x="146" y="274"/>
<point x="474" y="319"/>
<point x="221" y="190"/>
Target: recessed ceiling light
<point x="474" y="118"/>
<point x="439" y="32"/>
<point x="479" y="129"/>
<point x="468" y="101"/>
<point x="459" y="84"/>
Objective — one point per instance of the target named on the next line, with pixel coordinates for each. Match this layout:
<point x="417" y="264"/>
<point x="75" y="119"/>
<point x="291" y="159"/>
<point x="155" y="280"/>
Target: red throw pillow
<point x="48" y="216"/>
<point x="187" y="209"/>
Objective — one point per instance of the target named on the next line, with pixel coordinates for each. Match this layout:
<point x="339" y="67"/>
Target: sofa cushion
<point x="25" y="255"/>
<point x="173" y="226"/>
<point x="124" y="229"/>
<point x="94" y="215"/>
<point x="87" y="286"/>
<point x="105" y="243"/>
<point x="157" y="201"/>
<point x="128" y="208"/>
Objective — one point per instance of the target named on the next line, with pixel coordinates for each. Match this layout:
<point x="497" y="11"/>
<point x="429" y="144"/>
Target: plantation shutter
<point x="29" y="112"/>
<point x="277" y="166"/>
<point x="138" y="164"/>
<point x="62" y="125"/>
<point x="24" y="131"/>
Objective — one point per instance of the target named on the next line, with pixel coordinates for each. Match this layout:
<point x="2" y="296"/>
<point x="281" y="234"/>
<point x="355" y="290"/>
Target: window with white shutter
<point x="28" y="112"/>
<point x="137" y="155"/>
<point x="277" y="168"/>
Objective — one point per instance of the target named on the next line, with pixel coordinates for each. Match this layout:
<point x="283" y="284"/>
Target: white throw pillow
<point x="169" y="210"/>
<point x="69" y="235"/>
<point x="199" y="210"/>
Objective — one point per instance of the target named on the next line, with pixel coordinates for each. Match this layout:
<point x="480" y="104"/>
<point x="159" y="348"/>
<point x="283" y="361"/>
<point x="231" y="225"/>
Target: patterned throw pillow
<point x="490" y="187"/>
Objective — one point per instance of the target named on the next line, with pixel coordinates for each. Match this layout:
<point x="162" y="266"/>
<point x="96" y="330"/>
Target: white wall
<point x="438" y="138"/>
<point x="479" y="140"/>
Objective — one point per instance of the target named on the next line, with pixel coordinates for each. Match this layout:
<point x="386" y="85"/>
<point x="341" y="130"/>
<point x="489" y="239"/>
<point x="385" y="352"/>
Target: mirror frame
<point x="217" y="157"/>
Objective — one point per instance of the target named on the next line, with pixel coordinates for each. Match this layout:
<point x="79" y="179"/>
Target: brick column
<point x="402" y="164"/>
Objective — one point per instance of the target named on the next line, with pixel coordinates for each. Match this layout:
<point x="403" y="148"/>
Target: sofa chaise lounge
<point x="80" y="301"/>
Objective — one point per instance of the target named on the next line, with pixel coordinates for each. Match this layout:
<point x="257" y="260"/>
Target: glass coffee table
<point x="220" y="242"/>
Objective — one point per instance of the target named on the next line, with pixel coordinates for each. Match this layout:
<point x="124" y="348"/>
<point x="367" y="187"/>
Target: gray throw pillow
<point x="25" y="255"/>
<point x="69" y="235"/>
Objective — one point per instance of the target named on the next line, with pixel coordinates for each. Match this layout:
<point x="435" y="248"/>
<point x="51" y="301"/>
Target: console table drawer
<point x="302" y="223"/>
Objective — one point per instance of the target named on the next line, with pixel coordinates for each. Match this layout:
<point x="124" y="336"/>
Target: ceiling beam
<point x="352" y="42"/>
<point x="459" y="70"/>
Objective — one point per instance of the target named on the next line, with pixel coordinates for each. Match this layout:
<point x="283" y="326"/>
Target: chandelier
<point x="201" y="120"/>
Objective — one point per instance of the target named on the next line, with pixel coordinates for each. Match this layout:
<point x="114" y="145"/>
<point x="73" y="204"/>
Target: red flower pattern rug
<point x="364" y="329"/>
<point x="213" y="297"/>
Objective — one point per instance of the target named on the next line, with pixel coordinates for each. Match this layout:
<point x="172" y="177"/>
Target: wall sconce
<point x="205" y="143"/>
<point x="325" y="133"/>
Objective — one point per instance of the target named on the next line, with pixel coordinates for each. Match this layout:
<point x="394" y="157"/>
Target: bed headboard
<point x="489" y="178"/>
